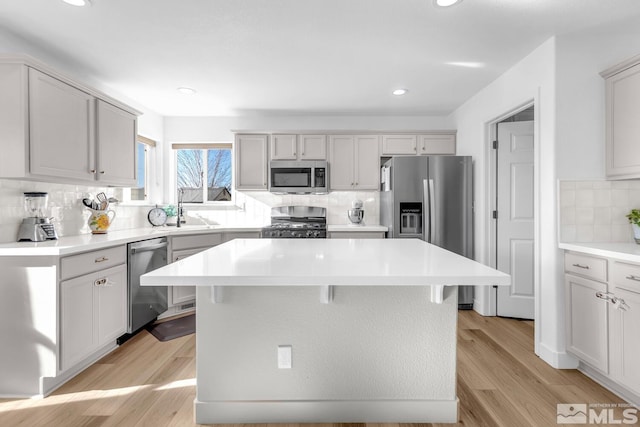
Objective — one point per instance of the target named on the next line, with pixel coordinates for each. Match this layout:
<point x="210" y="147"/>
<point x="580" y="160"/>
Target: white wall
<point x="562" y="78"/>
<point x="216" y="129"/>
<point x="580" y="95"/>
<point x="532" y="79"/>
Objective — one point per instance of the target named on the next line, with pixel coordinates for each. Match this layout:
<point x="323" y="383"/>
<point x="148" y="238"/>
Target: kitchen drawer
<point x="206" y="240"/>
<point x="626" y="276"/>
<point x="586" y="266"/>
<point x="88" y="262"/>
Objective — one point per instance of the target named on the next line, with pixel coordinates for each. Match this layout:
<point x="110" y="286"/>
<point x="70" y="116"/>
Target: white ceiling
<point x="300" y="56"/>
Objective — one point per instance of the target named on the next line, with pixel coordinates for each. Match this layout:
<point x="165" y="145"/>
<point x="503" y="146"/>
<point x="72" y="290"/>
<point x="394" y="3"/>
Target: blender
<point x="36" y="227"/>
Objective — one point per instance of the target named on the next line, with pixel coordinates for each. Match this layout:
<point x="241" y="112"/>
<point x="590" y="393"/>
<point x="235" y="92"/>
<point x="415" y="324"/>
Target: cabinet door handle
<point x="100" y="282"/>
<point x="93" y="171"/>
<point x="101" y="259"/>
<point x="605" y="296"/>
<point x="586" y="267"/>
<point x="620" y="304"/>
<point x="632" y="277"/>
<point x="102" y="172"/>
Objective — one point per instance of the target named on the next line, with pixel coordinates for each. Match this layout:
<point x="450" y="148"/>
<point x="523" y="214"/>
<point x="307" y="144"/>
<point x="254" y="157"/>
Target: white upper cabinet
<point x="622" y="87"/>
<point x="298" y="147"/>
<point x="284" y="147"/>
<point x="116" y="134"/>
<point x="61" y="121"/>
<point x="423" y="144"/>
<point x="399" y="144"/>
<point x="312" y="147"/>
<point x="437" y="144"/>
<point x="354" y="162"/>
<point x="251" y="162"/>
<point x="54" y="129"/>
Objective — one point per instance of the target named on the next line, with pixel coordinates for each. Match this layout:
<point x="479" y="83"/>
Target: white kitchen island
<point x="370" y="325"/>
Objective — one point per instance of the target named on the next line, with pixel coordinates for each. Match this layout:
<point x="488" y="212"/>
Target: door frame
<point x="491" y="196"/>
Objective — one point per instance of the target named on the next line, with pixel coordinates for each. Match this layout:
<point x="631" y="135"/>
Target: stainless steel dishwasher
<point x="145" y="302"/>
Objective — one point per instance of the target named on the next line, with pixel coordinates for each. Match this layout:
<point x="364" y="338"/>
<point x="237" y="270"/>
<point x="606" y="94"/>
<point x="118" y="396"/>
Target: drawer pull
<point x="101" y="259"/>
<point x="632" y="277"/>
<point x="586" y="267"/>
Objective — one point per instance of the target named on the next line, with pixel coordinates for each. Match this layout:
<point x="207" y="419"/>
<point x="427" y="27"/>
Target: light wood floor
<point x="148" y="383"/>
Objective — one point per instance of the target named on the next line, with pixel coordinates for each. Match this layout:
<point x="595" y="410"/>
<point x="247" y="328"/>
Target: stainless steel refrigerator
<point x="431" y="198"/>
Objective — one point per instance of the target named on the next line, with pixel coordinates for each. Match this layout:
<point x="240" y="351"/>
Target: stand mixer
<point x="36" y="227"/>
<point x="356" y="213"/>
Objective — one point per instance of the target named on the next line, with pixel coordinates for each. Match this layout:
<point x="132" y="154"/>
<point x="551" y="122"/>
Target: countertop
<point x="327" y="262"/>
<point x="86" y="242"/>
<point x="619" y="250"/>
<point x="356" y="228"/>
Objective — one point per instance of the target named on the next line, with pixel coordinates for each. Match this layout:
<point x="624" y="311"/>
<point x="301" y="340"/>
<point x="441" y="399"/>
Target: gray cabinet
<point x="116" y="140"/>
<point x="624" y="322"/>
<point x="57" y="130"/>
<point x="298" y="147"/>
<point x="418" y="144"/>
<point x="93" y="303"/>
<point x="622" y="106"/>
<point x="356" y="234"/>
<point x="251" y="165"/>
<point x="354" y="162"/>
<point x="182" y="298"/>
<point x="61" y="137"/>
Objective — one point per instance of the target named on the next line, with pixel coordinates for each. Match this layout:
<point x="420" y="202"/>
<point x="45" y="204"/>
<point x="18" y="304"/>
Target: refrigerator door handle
<point x="428" y="209"/>
<point x="432" y="210"/>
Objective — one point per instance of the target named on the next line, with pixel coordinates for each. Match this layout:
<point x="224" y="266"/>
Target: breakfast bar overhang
<point x="367" y="327"/>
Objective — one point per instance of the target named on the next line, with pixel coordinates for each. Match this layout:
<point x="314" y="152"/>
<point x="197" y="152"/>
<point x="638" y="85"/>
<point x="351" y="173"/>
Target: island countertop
<point x="333" y="262"/>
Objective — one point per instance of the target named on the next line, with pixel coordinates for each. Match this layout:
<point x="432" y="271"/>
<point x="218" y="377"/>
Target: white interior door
<point x="515" y="222"/>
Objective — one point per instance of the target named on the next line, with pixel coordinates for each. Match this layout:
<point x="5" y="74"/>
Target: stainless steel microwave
<point x="298" y="177"/>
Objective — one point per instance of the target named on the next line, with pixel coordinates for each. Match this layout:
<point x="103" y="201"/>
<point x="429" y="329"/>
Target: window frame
<point x="203" y="147"/>
<point x="150" y="146"/>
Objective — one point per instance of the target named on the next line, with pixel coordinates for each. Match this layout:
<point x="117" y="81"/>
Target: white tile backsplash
<point x="594" y="211"/>
<point x="251" y="208"/>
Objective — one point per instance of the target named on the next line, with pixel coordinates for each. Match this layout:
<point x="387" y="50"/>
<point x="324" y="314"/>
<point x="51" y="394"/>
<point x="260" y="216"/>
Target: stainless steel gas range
<point x="297" y="222"/>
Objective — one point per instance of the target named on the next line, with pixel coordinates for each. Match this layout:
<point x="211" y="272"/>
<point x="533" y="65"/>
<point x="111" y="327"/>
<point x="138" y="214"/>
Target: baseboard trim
<point x="50" y="384"/>
<point x="609" y="384"/>
<point x="558" y="360"/>
<point x="326" y="411"/>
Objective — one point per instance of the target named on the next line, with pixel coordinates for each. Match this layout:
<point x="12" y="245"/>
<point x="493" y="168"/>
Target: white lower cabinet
<point x="183" y="294"/>
<point x="624" y="341"/>
<point x="587" y="321"/>
<point x="603" y="318"/>
<point x="93" y="310"/>
<point x="624" y="324"/>
<point x="182" y="298"/>
<point x="356" y="234"/>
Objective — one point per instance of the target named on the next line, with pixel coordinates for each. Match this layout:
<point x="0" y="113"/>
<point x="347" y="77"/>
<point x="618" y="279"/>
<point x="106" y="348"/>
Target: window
<point x="203" y="172"/>
<point x="140" y="191"/>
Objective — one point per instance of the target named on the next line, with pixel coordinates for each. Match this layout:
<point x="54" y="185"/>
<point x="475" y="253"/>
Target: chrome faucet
<point x="180" y="207"/>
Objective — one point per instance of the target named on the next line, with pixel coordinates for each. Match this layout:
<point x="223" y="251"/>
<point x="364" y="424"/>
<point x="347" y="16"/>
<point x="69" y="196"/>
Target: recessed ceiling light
<point x="77" y="2"/>
<point x="446" y="3"/>
<point x="467" y="64"/>
<point x="399" y="92"/>
<point x="186" y="90"/>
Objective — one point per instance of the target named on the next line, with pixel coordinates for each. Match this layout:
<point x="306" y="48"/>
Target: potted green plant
<point x="634" y="220"/>
<point x="172" y="214"/>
